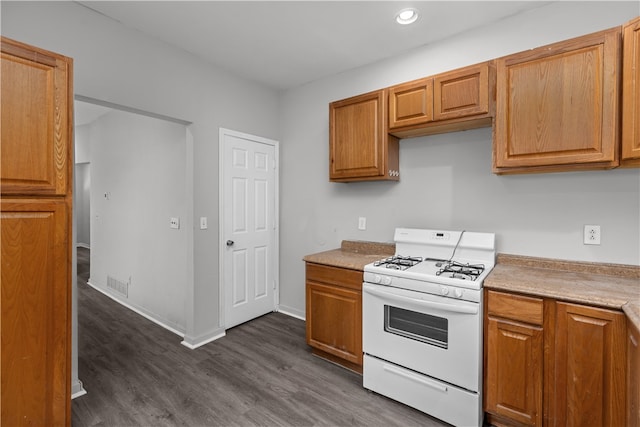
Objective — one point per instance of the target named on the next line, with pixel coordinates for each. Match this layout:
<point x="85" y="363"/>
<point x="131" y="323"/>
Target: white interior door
<point x="248" y="227"/>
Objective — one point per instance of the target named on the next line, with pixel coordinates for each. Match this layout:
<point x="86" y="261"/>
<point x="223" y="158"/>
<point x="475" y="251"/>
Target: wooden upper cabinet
<point x="35" y="128"/>
<point x="411" y="103"/>
<point x="590" y="357"/>
<point x="631" y="94"/>
<point x="360" y="148"/>
<point x="557" y="106"/>
<point x="456" y="100"/>
<point x="464" y="92"/>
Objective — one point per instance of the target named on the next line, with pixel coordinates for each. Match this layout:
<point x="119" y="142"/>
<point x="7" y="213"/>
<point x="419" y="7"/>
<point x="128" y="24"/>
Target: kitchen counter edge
<point x="352" y="254"/>
<point x="613" y="286"/>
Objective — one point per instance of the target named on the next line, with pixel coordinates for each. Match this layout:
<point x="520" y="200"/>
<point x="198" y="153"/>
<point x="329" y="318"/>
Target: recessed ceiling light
<point x="407" y="16"/>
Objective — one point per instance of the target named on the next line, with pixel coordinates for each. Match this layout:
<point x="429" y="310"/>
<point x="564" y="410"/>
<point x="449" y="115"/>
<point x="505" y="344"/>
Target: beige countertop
<point x="612" y="286"/>
<point x="352" y="254"/>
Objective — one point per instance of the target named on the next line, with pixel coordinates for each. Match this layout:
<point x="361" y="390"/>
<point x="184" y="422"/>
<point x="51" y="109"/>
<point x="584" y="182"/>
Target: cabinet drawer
<point x="515" y="307"/>
<point x="335" y="276"/>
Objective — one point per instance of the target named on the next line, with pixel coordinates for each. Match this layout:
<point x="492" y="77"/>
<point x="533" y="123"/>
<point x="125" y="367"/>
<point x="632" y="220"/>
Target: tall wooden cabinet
<point x="35" y="227"/>
<point x="631" y="94"/>
<point x="557" y="106"/>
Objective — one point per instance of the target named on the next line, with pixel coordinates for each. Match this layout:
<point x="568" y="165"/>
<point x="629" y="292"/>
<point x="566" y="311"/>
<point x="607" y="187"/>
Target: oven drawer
<point x="441" y="400"/>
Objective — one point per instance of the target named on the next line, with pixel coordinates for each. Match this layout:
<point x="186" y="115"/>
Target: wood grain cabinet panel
<point x="631" y="94"/>
<point x="590" y="359"/>
<point x="633" y="376"/>
<point x="411" y="103"/>
<point x="557" y="106"/>
<point x="360" y="148"/>
<point x="35" y="124"/>
<point x="514" y="371"/>
<point x="35" y="227"/>
<point x="558" y="364"/>
<point x="334" y="314"/>
<point x="514" y="354"/>
<point x="456" y="100"/>
<point x="464" y="92"/>
<point x="35" y="312"/>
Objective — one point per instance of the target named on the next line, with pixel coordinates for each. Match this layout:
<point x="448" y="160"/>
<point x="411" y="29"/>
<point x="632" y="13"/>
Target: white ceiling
<point x="285" y="44"/>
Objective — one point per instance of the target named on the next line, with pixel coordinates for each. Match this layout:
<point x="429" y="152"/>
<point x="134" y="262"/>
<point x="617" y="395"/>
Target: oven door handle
<point x="420" y="302"/>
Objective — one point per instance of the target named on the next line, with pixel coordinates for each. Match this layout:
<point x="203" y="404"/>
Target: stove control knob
<point x="377" y="278"/>
<point x="458" y="293"/>
<point x="444" y="290"/>
<point x="386" y="280"/>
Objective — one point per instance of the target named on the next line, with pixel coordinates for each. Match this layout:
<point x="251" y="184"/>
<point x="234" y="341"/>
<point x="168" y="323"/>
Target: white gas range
<point x="422" y="322"/>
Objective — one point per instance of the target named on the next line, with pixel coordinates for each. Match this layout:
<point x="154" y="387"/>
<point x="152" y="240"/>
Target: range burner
<point x="457" y="270"/>
<point x="398" y="262"/>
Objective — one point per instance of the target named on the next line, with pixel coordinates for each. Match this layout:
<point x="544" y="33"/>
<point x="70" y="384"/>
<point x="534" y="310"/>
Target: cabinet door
<point x="461" y="93"/>
<point x="631" y="94"/>
<point x="35" y="313"/>
<point x="334" y="321"/>
<point x="557" y="106"/>
<point x="411" y="103"/>
<point x="359" y="146"/>
<point x="514" y="358"/>
<point x="633" y="377"/>
<point x="36" y="91"/>
<point x="514" y="371"/>
<point x="590" y="387"/>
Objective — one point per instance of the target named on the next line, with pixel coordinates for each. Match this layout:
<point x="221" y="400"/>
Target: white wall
<point x="115" y="64"/>
<point x="138" y="184"/>
<point x="446" y="180"/>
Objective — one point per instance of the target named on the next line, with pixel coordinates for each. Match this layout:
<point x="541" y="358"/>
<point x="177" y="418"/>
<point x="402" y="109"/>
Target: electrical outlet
<point x="591" y="234"/>
<point x="174" y="223"/>
<point x="362" y="223"/>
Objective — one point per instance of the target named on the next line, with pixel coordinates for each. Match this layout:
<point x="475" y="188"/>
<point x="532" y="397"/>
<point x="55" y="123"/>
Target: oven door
<point x="437" y="336"/>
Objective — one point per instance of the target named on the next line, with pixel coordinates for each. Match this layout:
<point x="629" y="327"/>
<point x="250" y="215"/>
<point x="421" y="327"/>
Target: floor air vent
<point x="118" y="286"/>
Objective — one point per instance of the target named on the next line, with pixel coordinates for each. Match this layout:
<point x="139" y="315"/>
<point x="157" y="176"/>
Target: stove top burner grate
<point x="457" y="270"/>
<point x="398" y="262"/>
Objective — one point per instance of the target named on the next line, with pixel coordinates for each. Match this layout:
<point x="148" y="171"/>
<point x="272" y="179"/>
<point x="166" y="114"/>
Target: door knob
<point x="230" y="242"/>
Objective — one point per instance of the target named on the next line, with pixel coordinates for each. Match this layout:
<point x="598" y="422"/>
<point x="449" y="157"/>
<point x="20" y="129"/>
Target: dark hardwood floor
<point x="260" y="374"/>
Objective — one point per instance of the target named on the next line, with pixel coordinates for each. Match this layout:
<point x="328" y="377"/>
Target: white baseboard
<point x="194" y="343"/>
<point x="77" y="389"/>
<point x="292" y="312"/>
<point x="138" y="310"/>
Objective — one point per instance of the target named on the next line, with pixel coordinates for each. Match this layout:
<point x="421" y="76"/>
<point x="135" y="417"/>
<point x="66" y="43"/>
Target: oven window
<point x="418" y="326"/>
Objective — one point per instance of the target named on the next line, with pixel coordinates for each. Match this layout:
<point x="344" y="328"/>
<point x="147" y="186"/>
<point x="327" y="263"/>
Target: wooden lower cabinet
<point x="514" y="359"/>
<point x="633" y="376"/>
<point x="334" y="314"/>
<point x="564" y="366"/>
<point x="589" y="387"/>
